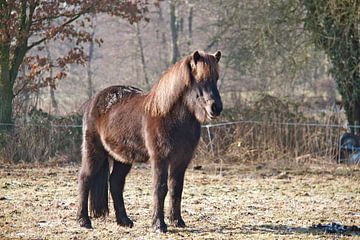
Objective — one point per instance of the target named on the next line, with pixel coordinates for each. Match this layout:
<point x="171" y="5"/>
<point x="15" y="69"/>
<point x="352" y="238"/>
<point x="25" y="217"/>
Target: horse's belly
<point x="126" y="152"/>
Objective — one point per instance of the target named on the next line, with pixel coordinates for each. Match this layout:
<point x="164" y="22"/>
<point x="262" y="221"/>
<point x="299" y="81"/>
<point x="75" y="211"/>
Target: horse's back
<point x="108" y="97"/>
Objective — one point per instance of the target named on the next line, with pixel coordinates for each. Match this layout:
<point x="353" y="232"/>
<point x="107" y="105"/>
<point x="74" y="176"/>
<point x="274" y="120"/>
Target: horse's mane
<point x="164" y="94"/>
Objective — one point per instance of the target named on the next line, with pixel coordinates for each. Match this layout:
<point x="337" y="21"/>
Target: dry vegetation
<point x="257" y="202"/>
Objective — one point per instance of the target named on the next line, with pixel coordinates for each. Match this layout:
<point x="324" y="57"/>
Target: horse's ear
<point x="217" y="56"/>
<point x="195" y="57"/>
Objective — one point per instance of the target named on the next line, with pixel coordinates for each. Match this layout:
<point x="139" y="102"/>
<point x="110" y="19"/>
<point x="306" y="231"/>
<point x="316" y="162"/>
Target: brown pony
<point x="122" y="125"/>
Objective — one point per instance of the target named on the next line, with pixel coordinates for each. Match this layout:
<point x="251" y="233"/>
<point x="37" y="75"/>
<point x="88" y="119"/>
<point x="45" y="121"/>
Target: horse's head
<point x="202" y="97"/>
<point x="192" y="80"/>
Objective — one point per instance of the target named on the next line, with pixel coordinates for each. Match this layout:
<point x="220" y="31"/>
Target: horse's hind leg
<point x="93" y="157"/>
<point x="117" y="182"/>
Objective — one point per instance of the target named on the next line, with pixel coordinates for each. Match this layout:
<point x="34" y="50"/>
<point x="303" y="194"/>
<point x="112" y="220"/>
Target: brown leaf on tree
<point x="27" y="25"/>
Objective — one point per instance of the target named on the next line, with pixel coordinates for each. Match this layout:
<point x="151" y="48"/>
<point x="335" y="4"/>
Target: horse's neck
<point x="180" y="114"/>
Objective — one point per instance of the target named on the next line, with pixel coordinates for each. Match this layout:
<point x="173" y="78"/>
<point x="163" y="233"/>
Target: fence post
<point x="210" y="141"/>
<point x="50" y="142"/>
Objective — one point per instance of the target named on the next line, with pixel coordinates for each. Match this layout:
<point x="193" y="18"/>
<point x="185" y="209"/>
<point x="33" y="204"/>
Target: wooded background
<point x="298" y="50"/>
<point x="283" y="61"/>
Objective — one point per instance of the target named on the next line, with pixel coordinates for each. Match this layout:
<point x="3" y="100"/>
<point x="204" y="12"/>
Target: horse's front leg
<point x="176" y="184"/>
<point x="160" y="176"/>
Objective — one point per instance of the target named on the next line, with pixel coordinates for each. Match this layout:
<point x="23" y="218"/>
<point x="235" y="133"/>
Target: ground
<point x="39" y="202"/>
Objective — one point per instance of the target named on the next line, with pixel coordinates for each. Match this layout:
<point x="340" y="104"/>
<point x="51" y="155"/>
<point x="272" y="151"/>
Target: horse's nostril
<point x="213" y="108"/>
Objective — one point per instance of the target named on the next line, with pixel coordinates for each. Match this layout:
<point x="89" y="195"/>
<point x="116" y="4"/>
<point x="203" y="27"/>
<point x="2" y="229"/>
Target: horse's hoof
<point x="160" y="227"/>
<point x="178" y="223"/>
<point x="125" y="222"/>
<point x="85" y="223"/>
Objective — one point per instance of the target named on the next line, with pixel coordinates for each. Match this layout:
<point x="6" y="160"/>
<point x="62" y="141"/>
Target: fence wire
<point x="232" y="141"/>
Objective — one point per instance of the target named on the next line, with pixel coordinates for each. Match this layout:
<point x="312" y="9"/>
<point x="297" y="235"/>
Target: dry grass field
<point x="39" y="202"/>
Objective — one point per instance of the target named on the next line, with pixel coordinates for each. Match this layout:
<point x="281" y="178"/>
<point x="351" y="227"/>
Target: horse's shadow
<point x="316" y="229"/>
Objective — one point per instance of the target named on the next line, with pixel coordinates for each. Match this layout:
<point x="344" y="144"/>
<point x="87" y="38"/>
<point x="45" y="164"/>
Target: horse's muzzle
<point x="214" y="109"/>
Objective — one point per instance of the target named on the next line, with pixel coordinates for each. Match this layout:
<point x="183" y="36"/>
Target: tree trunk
<point x="8" y="74"/>
<point x="54" y="104"/>
<point x="190" y="24"/>
<point x="90" y="90"/>
<point x="162" y="42"/>
<point x="142" y="56"/>
<point x="174" y="27"/>
<point x="6" y="99"/>
<point x="6" y="93"/>
<point x="12" y="57"/>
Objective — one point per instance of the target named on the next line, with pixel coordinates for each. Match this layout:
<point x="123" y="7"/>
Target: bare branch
<point x="61" y="26"/>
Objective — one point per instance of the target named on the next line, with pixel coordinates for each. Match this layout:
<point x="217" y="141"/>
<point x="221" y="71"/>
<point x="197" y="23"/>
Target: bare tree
<point x="54" y="104"/>
<point x="142" y="55"/>
<point x="174" y="28"/>
<point x="90" y="84"/>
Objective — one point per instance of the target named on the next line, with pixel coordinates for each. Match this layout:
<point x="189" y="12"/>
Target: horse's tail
<point x="99" y="192"/>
